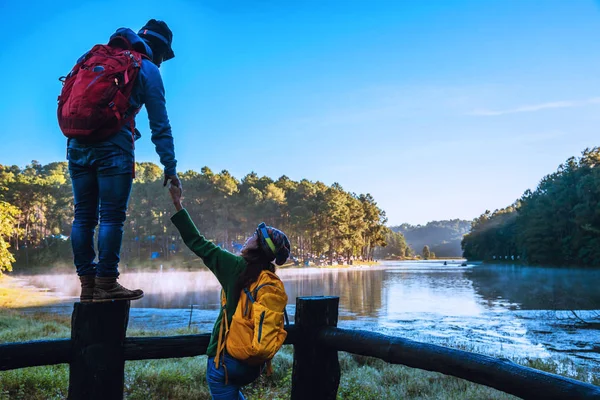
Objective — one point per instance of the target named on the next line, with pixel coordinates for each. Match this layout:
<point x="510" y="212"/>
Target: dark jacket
<point x="148" y="91"/>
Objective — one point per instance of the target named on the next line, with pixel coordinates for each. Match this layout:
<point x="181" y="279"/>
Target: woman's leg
<point x="216" y="383"/>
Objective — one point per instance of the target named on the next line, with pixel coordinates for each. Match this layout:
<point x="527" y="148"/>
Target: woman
<point x="234" y="273"/>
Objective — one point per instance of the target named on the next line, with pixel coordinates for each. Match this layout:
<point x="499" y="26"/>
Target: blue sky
<point x="439" y="109"/>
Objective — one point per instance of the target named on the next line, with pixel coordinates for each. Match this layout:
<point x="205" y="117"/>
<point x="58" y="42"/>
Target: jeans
<point x="102" y="175"/>
<point x="238" y="374"/>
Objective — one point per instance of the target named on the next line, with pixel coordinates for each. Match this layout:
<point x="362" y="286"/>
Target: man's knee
<point x="85" y="221"/>
<point x="112" y="217"/>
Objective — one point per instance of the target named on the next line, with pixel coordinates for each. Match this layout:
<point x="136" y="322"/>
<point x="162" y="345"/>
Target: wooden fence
<point x="98" y="349"/>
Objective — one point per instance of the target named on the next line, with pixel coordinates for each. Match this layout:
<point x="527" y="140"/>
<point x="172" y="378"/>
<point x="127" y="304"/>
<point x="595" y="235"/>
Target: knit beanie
<point x="274" y="243"/>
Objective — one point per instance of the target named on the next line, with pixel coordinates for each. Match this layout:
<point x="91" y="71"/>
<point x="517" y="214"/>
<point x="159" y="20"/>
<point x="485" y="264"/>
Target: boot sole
<point x="118" y="299"/>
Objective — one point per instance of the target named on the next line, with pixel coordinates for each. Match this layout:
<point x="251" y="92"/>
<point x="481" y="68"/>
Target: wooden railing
<point x="98" y="349"/>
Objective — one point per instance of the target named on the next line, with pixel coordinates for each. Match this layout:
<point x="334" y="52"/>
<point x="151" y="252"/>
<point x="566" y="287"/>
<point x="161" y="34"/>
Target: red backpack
<point x="94" y="102"/>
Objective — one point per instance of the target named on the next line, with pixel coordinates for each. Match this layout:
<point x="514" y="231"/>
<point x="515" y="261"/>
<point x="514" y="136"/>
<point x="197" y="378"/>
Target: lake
<point x="505" y="310"/>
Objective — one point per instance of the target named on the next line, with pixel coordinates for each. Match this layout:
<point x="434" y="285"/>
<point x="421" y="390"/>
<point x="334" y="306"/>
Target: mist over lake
<point x="496" y="309"/>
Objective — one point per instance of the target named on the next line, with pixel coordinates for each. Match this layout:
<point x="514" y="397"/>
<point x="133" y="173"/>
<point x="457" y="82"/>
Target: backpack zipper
<point x="260" y="325"/>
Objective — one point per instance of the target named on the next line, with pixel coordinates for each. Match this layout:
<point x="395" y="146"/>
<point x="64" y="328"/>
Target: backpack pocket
<point x="240" y="334"/>
<point x="268" y="331"/>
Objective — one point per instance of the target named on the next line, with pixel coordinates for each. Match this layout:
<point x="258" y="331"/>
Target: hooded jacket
<point x="148" y="91"/>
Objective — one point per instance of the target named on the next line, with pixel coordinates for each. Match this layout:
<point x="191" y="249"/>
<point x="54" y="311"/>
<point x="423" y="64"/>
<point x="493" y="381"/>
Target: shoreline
<point x="17" y="293"/>
<point x="362" y="264"/>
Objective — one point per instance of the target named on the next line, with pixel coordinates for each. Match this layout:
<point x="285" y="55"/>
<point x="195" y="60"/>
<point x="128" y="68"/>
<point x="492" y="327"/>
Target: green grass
<point x="184" y="378"/>
<point x="14" y="327"/>
<point x="368" y="378"/>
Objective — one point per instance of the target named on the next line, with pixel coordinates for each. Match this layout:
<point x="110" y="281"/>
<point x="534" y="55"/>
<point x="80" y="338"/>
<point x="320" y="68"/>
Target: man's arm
<point x="154" y="99"/>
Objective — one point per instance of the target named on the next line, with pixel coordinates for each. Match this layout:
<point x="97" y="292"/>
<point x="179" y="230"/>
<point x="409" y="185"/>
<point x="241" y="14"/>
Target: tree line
<point x="556" y="224"/>
<point x="324" y="223"/>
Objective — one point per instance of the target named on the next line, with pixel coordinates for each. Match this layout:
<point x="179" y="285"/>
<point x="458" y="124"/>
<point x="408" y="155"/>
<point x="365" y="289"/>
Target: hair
<point x="256" y="261"/>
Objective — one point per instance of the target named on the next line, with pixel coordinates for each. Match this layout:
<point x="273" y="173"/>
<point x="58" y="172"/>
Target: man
<point x="102" y="172"/>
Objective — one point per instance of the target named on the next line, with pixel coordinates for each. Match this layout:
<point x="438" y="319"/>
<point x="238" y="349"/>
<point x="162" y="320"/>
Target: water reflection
<point x="411" y="290"/>
<point x="360" y="290"/>
<point x="538" y="288"/>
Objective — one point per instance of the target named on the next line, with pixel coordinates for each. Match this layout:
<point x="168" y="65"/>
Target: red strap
<point x="117" y="113"/>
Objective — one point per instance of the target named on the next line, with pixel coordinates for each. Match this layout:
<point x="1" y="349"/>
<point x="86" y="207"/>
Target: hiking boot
<point x="87" y="288"/>
<point x="107" y="289"/>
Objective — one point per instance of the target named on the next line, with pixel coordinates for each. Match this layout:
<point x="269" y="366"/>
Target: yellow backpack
<point x="257" y="329"/>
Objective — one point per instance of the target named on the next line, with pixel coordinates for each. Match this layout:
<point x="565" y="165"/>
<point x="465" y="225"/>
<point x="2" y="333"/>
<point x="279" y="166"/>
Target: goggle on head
<point x="265" y="240"/>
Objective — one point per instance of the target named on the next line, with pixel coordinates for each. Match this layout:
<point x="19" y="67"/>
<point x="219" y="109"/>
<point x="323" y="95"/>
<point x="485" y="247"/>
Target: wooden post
<point x="97" y="369"/>
<point x="316" y="371"/>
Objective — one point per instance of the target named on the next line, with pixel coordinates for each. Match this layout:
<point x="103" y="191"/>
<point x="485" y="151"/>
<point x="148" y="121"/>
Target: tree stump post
<point x="316" y="371"/>
<point x="97" y="370"/>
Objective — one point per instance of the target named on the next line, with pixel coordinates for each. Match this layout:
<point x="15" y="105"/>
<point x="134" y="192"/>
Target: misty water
<point x="493" y="309"/>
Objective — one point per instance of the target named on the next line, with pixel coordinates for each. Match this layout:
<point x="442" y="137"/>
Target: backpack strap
<point x="249" y="301"/>
<point x="223" y="331"/>
<point x="255" y="291"/>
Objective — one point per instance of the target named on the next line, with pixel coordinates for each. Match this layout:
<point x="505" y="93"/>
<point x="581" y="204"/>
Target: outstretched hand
<point x="173" y="179"/>
<point x="175" y="191"/>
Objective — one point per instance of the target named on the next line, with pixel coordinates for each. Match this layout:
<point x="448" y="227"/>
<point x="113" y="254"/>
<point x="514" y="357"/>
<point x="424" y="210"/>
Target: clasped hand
<point x="175" y="190"/>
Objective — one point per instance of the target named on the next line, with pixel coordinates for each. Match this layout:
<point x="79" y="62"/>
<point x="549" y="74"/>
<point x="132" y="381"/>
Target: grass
<point x="184" y="378"/>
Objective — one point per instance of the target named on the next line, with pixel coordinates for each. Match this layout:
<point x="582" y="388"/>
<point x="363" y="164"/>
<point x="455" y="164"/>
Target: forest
<point x="556" y="224"/>
<point x="325" y="224"/>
